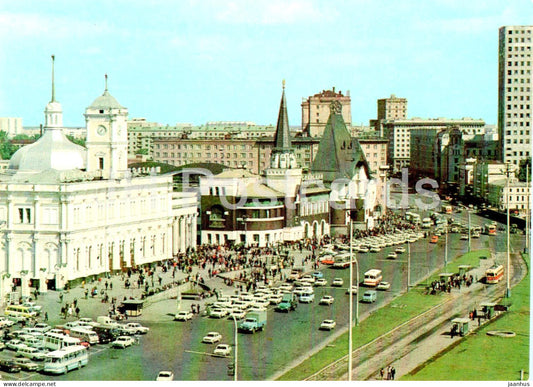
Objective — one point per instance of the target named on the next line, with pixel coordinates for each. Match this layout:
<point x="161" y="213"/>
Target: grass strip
<point x="482" y="357"/>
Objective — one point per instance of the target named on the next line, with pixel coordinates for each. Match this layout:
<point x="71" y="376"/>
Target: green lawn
<point x="482" y="357"/>
<point x="381" y="321"/>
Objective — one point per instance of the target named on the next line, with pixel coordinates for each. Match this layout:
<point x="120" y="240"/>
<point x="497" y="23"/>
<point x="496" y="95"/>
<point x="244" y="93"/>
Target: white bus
<point x="84" y="334"/>
<point x="55" y="341"/>
<point x="66" y="359"/>
<point x="373" y="277"/>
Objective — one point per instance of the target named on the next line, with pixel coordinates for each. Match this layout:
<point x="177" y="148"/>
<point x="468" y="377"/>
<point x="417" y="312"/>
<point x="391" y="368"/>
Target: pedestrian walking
<point x="45" y="316"/>
<point x="392" y="372"/>
<point x="381" y="373"/>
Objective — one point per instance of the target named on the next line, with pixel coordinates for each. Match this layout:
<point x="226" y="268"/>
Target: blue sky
<point x="198" y="61"/>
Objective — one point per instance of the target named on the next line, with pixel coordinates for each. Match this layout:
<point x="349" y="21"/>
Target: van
<point x="107" y="322"/>
<point x="373" y="277"/>
<point x="85" y="335"/>
<point x="369" y="296"/>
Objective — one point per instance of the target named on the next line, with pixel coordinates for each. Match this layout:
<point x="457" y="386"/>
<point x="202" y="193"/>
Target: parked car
<point x="183" y="315"/>
<point x="337" y="282"/>
<point x="5" y="322"/>
<point x="326" y="300"/>
<point x="383" y="285"/>
<point x="212" y="337"/>
<point x="9" y="366"/>
<point x="31" y="353"/>
<point x="369" y="296"/>
<point x="165" y="376"/>
<point x="25" y="364"/>
<point x="434" y="239"/>
<point x="123" y="342"/>
<point x="218" y="313"/>
<point x="392" y="255"/>
<point x="42" y="327"/>
<point x="327" y="325"/>
<point x="237" y="313"/>
<point x="222" y="350"/>
<point x="15" y="344"/>
<point x="317" y="274"/>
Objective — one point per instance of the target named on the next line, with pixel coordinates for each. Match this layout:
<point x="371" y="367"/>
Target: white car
<point x="218" y="313"/>
<point x="42" y="328"/>
<point x="212" y="337"/>
<point x="337" y="282"/>
<point x="326" y="300"/>
<point x="399" y="250"/>
<point x="275" y="299"/>
<point x="383" y="285"/>
<point x="327" y="325"/>
<point x="5" y="322"/>
<point x="123" y="342"/>
<point x="125" y="329"/>
<point x="321" y="282"/>
<point x="238" y="313"/>
<point x="308" y="278"/>
<point x="222" y="350"/>
<point x="15" y="344"/>
<point x="165" y="376"/>
<point x="307" y="297"/>
<point x="139" y="329"/>
<point x="354" y="290"/>
<point x="392" y="255"/>
<point x="183" y="315"/>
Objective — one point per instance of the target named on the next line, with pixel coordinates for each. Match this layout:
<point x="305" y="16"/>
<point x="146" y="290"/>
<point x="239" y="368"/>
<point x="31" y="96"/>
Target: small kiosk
<point x="460" y="326"/>
<point x="132" y="308"/>
<point x="487" y="309"/>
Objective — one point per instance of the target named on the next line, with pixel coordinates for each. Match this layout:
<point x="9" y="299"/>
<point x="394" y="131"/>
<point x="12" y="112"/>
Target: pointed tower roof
<point x="339" y="155"/>
<point x="282" y="139"/>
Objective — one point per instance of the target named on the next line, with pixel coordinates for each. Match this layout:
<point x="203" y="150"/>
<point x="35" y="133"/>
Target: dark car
<point x="106" y="335"/>
<point x="9" y="366"/>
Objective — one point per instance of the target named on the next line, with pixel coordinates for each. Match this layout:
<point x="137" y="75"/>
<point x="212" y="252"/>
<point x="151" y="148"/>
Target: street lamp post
<point x="350" y="295"/>
<point x="508" y="289"/>
<point x="236" y="349"/>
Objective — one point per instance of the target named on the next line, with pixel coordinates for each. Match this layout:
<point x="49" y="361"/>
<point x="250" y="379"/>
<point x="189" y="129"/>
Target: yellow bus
<point x="20" y="312"/>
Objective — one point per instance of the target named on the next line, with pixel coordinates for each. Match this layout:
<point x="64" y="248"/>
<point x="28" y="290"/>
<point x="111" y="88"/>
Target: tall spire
<point x="53" y="83"/>
<point x="105" y="82"/>
<point x="282" y="139"/>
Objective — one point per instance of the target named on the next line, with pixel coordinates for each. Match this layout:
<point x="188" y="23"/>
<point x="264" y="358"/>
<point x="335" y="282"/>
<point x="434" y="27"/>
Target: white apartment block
<point x="515" y="93"/>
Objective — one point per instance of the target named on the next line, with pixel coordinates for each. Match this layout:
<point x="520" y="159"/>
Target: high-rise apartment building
<point x="315" y="111"/>
<point x="392" y="108"/>
<point x="515" y="93"/>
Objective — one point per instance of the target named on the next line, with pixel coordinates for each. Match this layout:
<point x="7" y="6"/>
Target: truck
<point x="254" y="321"/>
<point x="107" y="322"/>
<point x="288" y="302"/>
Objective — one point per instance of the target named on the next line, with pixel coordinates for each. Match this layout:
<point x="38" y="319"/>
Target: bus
<point x="491" y="228"/>
<point x="373" y="277"/>
<point x="84" y="334"/>
<point x="20" y="312"/>
<point x="66" y="359"/>
<point x="494" y="274"/>
<point x="55" y="341"/>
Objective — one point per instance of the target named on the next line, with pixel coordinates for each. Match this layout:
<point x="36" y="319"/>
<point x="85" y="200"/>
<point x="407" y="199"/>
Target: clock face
<point x="101" y="130"/>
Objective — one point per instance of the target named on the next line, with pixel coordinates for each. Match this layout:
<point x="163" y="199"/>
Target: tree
<point x="525" y="164"/>
<point x="79" y="141"/>
<point x="6" y="148"/>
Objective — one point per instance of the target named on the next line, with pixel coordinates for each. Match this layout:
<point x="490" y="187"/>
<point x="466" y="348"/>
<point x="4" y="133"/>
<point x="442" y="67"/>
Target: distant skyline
<point x="197" y="61"/>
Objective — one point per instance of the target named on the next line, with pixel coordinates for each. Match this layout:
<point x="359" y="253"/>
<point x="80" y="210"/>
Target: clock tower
<point x="107" y="136"/>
